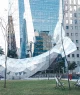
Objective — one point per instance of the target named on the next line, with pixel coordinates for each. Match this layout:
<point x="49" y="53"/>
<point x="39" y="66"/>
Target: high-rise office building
<point x="23" y="26"/>
<point x="72" y="27"/>
<point x="11" y="38"/>
<point x="38" y="46"/>
<point x="47" y="44"/>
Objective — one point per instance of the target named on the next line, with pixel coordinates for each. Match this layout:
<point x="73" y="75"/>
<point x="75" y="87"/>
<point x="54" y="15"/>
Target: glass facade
<point x="38" y="47"/>
<point x="22" y="26"/>
<point x="45" y="14"/>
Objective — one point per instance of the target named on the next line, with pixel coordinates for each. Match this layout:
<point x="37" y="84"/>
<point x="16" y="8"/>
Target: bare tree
<point x="5" y="29"/>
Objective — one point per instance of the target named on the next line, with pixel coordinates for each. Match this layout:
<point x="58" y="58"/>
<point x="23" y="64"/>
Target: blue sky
<point x="44" y="14"/>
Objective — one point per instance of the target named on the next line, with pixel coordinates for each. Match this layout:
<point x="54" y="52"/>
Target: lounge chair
<point x="58" y="82"/>
<point x="78" y="82"/>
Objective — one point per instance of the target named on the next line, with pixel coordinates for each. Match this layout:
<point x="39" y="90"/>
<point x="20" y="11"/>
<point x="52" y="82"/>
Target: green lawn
<point x="36" y="87"/>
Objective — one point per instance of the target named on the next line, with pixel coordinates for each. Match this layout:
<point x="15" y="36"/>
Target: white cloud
<point x="3" y="7"/>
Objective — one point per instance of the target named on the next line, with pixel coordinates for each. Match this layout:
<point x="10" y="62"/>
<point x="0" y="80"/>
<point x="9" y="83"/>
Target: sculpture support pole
<point x="49" y="61"/>
<point x="63" y="48"/>
<point x="65" y="57"/>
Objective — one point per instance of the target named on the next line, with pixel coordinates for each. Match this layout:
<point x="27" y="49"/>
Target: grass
<point x="36" y="87"/>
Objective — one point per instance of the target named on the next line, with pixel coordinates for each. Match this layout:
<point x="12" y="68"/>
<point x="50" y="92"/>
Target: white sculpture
<point x="29" y="66"/>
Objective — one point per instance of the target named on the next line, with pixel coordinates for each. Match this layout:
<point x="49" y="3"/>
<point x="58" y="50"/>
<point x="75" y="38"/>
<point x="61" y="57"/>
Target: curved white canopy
<point x="29" y="66"/>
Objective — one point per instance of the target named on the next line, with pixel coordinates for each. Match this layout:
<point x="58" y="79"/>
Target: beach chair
<point x="78" y="82"/>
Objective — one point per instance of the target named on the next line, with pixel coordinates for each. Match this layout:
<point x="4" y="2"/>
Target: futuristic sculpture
<point x="23" y="68"/>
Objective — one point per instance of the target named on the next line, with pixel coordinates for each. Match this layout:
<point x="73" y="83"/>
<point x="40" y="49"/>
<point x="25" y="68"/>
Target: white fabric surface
<point x="41" y="62"/>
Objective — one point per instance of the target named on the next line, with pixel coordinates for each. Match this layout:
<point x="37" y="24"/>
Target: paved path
<point x="47" y="79"/>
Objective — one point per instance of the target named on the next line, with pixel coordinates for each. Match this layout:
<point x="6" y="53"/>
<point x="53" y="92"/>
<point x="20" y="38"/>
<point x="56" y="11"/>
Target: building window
<point x="71" y="27"/>
<point x="74" y="8"/>
<point x="77" y="55"/>
<point x="68" y="61"/>
<point x="70" y="8"/>
<point x="78" y="14"/>
<point x="76" y="34"/>
<point x="79" y="21"/>
<point x="66" y="8"/>
<point x="79" y="2"/>
<point x="79" y="9"/>
<point x="78" y="63"/>
<point x="74" y="1"/>
<point x="77" y="48"/>
<point x="76" y="27"/>
<point x="72" y="34"/>
<point x="71" y="21"/>
<point x="72" y="40"/>
<point x="69" y="55"/>
<point x="66" y="2"/>
<point x="75" y="14"/>
<point x="75" y="21"/>
<point x="67" y="34"/>
<point x="67" y="27"/>
<point x="67" y="21"/>
<point x="77" y="41"/>
<point x="66" y="14"/>
<point x="73" y="55"/>
<point x="70" y="14"/>
<point x="70" y="1"/>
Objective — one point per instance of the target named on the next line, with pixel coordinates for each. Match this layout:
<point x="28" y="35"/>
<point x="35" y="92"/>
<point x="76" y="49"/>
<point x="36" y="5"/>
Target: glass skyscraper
<point x="23" y="26"/>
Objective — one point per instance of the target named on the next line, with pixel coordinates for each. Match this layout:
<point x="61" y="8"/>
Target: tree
<point x="59" y="67"/>
<point x="72" y="66"/>
<point x="60" y="64"/>
<point x="4" y="24"/>
<point x="5" y="28"/>
<point x="12" y="54"/>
